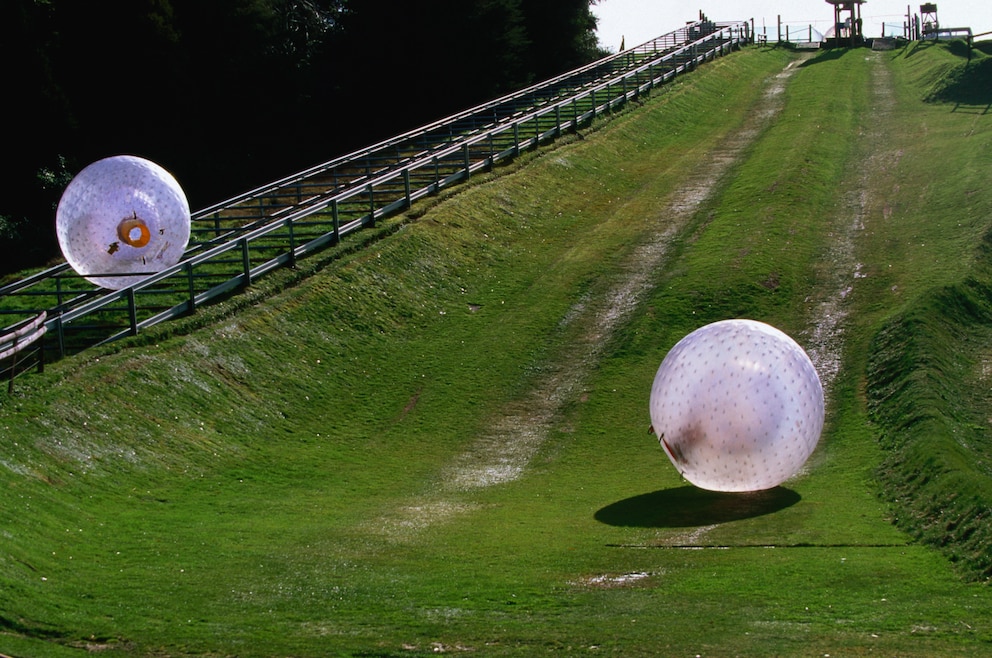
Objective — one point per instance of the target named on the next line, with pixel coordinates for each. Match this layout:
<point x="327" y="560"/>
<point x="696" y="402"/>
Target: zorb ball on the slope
<point x="737" y="406"/>
<point x="121" y="216"/>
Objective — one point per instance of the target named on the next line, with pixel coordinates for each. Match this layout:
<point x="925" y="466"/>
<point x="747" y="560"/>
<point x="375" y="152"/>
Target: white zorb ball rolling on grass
<point x="737" y="406"/>
<point x="120" y="216"/>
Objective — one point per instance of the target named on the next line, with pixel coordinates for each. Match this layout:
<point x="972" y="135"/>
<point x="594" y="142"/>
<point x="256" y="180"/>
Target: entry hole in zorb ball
<point x="737" y="406"/>
<point x="133" y="231"/>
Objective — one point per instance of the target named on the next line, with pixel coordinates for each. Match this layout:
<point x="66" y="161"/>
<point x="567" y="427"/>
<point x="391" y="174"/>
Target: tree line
<point x="229" y="94"/>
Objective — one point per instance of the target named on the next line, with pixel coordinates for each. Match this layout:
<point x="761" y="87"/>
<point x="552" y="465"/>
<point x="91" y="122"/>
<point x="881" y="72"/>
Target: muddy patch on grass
<point x="611" y="581"/>
<point x="503" y="453"/>
<point x="407" y="522"/>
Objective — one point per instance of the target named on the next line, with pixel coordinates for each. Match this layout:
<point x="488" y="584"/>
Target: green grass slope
<point x="438" y="442"/>
<point x="929" y="369"/>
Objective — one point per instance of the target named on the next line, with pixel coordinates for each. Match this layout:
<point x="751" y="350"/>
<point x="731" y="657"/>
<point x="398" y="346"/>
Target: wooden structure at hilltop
<point x="847" y="31"/>
<point x="928" y="18"/>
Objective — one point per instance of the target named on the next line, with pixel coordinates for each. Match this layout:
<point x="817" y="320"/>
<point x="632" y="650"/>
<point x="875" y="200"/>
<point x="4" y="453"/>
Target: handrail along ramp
<point x="245" y="237"/>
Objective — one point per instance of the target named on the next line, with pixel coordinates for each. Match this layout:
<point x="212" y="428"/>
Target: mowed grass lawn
<point x="358" y="463"/>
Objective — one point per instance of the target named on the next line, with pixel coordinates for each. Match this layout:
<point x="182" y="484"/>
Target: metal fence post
<point x="60" y="335"/>
<point x="132" y="311"/>
<point x="290" y="223"/>
<point x="245" y="261"/>
<point x="13" y="372"/>
<point x="192" y="290"/>
<point x="371" y="205"/>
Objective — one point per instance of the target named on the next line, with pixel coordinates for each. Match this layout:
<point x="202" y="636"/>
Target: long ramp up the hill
<point x="243" y="238"/>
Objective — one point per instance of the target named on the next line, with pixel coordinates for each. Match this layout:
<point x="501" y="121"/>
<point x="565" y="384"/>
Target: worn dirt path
<point x="840" y="269"/>
<point x="521" y="428"/>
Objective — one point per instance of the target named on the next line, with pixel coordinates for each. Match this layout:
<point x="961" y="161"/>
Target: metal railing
<point x="244" y="238"/>
<point x="21" y="349"/>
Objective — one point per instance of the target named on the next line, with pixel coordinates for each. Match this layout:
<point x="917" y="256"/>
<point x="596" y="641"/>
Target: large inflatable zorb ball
<point x="121" y="216"/>
<point x="737" y="406"/>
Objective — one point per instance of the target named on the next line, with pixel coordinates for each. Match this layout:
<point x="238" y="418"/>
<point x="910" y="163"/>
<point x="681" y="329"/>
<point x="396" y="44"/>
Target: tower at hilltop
<point x="847" y="31"/>
<point x="928" y="18"/>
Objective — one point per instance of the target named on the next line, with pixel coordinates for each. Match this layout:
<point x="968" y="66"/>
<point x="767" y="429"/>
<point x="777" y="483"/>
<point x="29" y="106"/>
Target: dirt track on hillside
<point x="840" y="269"/>
<point x="520" y="429"/>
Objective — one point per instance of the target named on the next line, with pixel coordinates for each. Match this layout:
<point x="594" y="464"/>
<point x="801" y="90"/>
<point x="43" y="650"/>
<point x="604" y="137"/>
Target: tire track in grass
<point x="503" y="453"/>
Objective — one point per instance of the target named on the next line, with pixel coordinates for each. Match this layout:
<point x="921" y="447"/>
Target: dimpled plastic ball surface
<point x="122" y="216"/>
<point x="737" y="406"/>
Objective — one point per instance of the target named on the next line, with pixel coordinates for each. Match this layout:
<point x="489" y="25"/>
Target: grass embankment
<point x="292" y="479"/>
<point x="931" y="365"/>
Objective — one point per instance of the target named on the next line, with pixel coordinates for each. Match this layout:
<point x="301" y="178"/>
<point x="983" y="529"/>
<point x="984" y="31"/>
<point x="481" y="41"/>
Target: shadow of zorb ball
<point x="122" y="218"/>
<point x="737" y="406"/>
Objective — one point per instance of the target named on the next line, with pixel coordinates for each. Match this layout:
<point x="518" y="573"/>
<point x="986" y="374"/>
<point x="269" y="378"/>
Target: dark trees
<point x="415" y="62"/>
<point x="562" y="35"/>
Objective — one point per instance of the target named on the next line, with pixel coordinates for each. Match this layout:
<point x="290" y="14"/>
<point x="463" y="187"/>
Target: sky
<point x="637" y="21"/>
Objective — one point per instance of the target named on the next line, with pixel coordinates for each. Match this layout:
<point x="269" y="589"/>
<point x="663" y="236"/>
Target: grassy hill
<point x="438" y="442"/>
